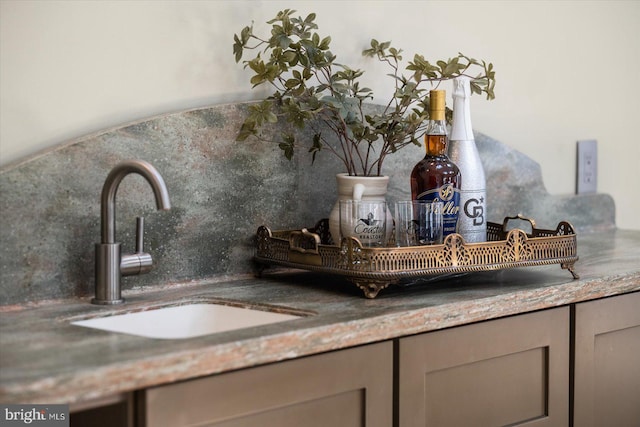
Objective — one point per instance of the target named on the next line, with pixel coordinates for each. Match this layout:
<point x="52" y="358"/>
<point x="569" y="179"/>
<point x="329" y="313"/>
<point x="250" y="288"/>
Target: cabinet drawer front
<point x="607" y="362"/>
<point x="351" y="387"/>
<point x="507" y="371"/>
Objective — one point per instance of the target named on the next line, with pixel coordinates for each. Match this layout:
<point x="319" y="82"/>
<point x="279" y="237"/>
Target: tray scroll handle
<point x="521" y="218"/>
<point x="303" y="247"/>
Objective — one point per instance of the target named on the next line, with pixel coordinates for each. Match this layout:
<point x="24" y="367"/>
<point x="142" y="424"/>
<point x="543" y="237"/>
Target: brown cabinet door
<point x="350" y="387"/>
<point x="117" y="410"/>
<point x="510" y="371"/>
<point x="607" y="362"/>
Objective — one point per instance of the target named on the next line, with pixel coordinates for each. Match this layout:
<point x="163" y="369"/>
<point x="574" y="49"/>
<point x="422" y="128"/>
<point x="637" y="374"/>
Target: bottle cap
<point x="437" y="104"/>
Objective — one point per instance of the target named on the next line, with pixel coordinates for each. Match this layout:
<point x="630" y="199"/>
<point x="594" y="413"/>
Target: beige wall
<point x="566" y="70"/>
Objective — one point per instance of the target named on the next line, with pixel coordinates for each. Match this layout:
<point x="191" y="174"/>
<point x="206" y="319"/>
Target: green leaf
<point x="290" y="57"/>
<point x="271" y="117"/>
<point x="291" y="83"/>
<point x="315" y="147"/>
<point x="237" y="49"/>
<point x="310" y="18"/>
<point x="284" y="41"/>
<point x="246" y="34"/>
<point x="324" y="44"/>
<point x="256" y="80"/>
<point x="287" y="145"/>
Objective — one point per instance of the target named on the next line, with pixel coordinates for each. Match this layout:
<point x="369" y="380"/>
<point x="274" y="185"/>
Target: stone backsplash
<point x="221" y="191"/>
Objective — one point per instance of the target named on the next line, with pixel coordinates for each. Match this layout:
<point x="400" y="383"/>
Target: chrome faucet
<point x="111" y="264"/>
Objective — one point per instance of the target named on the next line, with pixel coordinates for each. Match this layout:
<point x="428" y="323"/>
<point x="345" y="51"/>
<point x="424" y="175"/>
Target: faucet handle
<point x="138" y="262"/>
<point x="139" y="234"/>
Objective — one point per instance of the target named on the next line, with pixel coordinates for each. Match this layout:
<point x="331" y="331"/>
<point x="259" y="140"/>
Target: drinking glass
<point x="418" y="222"/>
<point x="365" y="220"/>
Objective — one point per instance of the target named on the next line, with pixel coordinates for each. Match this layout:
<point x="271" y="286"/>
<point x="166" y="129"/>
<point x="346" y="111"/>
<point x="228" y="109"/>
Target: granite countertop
<point x="45" y="359"/>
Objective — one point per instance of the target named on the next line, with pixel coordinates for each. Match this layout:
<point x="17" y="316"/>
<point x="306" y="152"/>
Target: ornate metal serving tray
<point x="373" y="269"/>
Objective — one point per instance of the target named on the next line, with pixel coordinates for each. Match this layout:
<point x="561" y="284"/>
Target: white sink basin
<point x="185" y="321"/>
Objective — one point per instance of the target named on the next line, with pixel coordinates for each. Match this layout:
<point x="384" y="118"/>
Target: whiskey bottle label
<point x="449" y="195"/>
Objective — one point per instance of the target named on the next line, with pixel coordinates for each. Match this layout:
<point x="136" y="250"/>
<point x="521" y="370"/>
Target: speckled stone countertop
<point x="45" y="359"/>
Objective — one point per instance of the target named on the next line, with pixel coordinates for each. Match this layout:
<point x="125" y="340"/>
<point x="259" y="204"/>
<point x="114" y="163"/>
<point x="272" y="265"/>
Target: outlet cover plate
<point x="587" y="166"/>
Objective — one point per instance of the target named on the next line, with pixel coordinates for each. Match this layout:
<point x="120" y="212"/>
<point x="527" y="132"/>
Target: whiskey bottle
<point x="472" y="224"/>
<point x="436" y="177"/>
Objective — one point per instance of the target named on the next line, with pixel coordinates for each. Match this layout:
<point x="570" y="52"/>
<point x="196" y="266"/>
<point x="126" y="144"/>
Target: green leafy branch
<point x="312" y="89"/>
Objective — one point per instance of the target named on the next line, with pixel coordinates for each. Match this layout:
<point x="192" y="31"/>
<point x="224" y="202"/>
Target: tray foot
<point x="570" y="266"/>
<point x="259" y="268"/>
<point x="371" y="287"/>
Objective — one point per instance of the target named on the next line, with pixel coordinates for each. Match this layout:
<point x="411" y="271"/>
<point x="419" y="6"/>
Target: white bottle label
<point x="472" y="223"/>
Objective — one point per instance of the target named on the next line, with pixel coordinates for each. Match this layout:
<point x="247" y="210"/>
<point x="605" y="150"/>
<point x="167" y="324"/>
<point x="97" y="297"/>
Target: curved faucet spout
<point x="108" y="198"/>
<point x="110" y="263"/>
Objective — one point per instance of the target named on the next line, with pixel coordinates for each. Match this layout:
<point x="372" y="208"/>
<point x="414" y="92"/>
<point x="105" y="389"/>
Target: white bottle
<point x="472" y="223"/>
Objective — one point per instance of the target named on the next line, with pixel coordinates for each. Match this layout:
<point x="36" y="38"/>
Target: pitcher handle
<point x="358" y="191"/>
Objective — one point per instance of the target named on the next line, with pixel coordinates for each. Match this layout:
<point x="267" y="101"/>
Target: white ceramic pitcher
<point x="358" y="188"/>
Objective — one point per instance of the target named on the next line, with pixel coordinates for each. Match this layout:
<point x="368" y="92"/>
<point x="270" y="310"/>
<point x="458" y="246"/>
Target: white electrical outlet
<point x="587" y="166"/>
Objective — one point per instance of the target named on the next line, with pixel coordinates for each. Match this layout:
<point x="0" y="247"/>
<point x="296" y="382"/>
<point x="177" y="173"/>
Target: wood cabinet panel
<point x="117" y="410"/>
<point x="344" y="409"/>
<point x="352" y="387"/>
<point x="507" y="371"/>
<point x="607" y="362"/>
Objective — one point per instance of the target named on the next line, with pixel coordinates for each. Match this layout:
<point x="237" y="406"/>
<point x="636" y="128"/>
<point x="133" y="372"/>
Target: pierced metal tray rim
<point x="308" y="257"/>
<point x="420" y="272"/>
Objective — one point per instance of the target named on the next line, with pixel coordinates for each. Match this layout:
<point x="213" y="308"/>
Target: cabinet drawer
<point x="350" y="387"/>
<point x="501" y="372"/>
